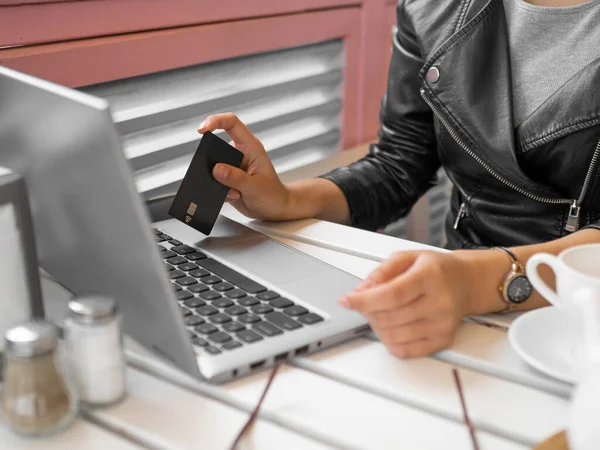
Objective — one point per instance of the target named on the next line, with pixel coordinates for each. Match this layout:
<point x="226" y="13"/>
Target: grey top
<point x="548" y="45"/>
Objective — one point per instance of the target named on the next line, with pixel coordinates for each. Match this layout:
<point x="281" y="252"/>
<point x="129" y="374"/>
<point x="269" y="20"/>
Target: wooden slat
<point x="331" y="411"/>
<point x="497" y="406"/>
<point x="79" y="435"/>
<point x="356" y="418"/>
<point x="487" y="350"/>
<point x="168" y="417"/>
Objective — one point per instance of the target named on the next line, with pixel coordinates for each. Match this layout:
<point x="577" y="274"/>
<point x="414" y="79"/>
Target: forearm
<point x="318" y="198"/>
<point x="487" y="268"/>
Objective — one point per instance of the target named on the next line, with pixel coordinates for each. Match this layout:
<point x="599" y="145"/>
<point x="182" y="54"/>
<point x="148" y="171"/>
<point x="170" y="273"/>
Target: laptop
<point x="218" y="307"/>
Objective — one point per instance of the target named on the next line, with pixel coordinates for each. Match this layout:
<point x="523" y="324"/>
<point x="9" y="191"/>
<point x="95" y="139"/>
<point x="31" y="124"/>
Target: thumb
<point x="231" y="177"/>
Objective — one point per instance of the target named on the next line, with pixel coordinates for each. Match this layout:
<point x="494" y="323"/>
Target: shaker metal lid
<point x="92" y="309"/>
<point x="31" y="338"/>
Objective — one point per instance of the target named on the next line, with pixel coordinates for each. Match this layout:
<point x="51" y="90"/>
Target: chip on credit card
<point x="200" y="197"/>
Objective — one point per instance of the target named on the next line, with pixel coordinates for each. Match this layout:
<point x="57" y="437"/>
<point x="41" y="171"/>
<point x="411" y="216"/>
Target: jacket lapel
<point x="474" y="92"/>
<point x="573" y="107"/>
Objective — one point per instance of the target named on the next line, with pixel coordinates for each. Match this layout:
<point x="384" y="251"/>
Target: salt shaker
<point x="37" y="398"/>
<point x="94" y="343"/>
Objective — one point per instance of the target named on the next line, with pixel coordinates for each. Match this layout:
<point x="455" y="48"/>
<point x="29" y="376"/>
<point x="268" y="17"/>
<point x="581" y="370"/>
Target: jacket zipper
<point x="461" y="213"/>
<point x="575" y="204"/>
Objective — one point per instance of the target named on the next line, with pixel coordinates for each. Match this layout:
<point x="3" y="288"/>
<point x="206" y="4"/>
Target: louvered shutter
<point x="291" y="99"/>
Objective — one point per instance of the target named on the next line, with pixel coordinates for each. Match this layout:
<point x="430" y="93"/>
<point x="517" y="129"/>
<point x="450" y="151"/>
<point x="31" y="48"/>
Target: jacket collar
<point x="474" y="95"/>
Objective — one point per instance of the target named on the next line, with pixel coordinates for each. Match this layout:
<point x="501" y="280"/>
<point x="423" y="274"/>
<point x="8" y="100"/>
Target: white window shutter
<point x="291" y="99"/>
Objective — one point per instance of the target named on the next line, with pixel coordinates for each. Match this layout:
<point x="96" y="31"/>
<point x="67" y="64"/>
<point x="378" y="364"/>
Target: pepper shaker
<point x="37" y="398"/>
<point x="94" y="342"/>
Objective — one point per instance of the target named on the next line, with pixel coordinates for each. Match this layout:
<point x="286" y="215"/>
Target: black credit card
<point x="200" y="197"/>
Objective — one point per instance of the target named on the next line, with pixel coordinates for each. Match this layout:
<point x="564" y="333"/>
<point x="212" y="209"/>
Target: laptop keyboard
<point x="223" y="309"/>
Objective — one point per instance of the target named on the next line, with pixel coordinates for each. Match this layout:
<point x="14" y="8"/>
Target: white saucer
<point x="547" y="340"/>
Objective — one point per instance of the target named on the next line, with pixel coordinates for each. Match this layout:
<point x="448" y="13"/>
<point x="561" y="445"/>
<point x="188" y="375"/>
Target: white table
<point x="354" y="396"/>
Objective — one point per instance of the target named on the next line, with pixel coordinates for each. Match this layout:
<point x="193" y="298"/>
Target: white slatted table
<point x="354" y="396"/>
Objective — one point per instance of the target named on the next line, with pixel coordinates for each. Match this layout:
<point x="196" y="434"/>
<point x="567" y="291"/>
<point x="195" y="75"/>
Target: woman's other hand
<point x="414" y="301"/>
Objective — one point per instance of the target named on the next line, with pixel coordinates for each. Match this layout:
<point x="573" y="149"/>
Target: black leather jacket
<point x="449" y="104"/>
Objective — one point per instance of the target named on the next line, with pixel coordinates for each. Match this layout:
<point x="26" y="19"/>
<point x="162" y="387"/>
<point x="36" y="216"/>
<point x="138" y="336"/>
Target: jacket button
<point x="433" y="75"/>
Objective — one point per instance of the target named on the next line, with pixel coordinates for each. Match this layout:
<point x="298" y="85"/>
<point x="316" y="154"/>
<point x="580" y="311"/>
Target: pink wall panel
<point x="97" y="60"/>
<point x="42" y="21"/>
<point x="124" y="38"/>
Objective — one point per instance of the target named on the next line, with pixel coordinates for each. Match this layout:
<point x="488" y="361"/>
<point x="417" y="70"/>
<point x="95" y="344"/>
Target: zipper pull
<point x="573" y="220"/>
<point x="461" y="213"/>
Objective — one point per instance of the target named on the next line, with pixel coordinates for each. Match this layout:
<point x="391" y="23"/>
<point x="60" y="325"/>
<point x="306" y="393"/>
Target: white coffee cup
<point x="577" y="272"/>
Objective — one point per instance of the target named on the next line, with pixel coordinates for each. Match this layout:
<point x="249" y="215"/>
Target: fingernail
<point x="344" y="302"/>
<point x="204" y="124"/>
<point x="220" y="171"/>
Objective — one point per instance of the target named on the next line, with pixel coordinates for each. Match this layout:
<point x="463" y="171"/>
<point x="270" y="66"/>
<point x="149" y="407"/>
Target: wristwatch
<point x="516" y="288"/>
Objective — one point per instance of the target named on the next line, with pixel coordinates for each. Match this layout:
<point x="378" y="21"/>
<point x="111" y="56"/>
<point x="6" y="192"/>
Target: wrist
<point x="482" y="273"/>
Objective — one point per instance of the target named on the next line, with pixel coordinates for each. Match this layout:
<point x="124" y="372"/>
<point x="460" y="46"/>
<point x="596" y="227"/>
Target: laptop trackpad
<point x="269" y="260"/>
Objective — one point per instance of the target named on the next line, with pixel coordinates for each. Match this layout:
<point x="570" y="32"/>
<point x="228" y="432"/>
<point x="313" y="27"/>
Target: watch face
<point x="519" y="289"/>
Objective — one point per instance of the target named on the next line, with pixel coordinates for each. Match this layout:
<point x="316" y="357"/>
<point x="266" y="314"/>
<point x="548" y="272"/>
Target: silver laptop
<point x="219" y="307"/>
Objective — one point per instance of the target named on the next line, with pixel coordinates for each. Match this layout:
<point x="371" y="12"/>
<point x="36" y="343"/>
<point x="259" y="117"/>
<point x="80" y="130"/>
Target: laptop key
<point x="211" y="280"/>
<point x="206" y="328"/>
<point x="222" y="287"/>
<point x="197" y="288"/>
<point x="194" y="303"/>
<point x="176" y="274"/>
<point x="186" y="281"/>
<point x="236" y="310"/>
<point x="262" y="309"/>
<point x="283" y="321"/>
<point x="309" y="319"/>
<point x="165" y="236"/>
<point x="199" y="273"/>
<point x="210" y="295"/>
<point x="212" y="350"/>
<point x="167" y="254"/>
<point x="191" y="334"/>
<point x="159" y="238"/>
<point x="187" y="266"/>
<point x="176" y="260"/>
<point x="267" y="329"/>
<point x="175" y="242"/>
<point x="236" y="293"/>
<point x="249" y="318"/>
<point x="199" y="342"/>
<point x="195" y="256"/>
<point x="249" y="336"/>
<point x="169" y="267"/>
<point x="232" y="345"/>
<point x="235" y="278"/>
<point x="266" y="296"/>
<point x="220" y="337"/>
<point x="220" y="318"/>
<point x="156" y="231"/>
<point x="183" y="295"/>
<point x="176" y="288"/>
<point x="281" y="303"/>
<point x="248" y="301"/>
<point x="233" y="327"/>
<point x="183" y="249"/>
<point x="192" y="321"/>
<point x="295" y="310"/>
<point x="207" y="311"/>
<point x="185" y="312"/>
<point x="222" y="303"/>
